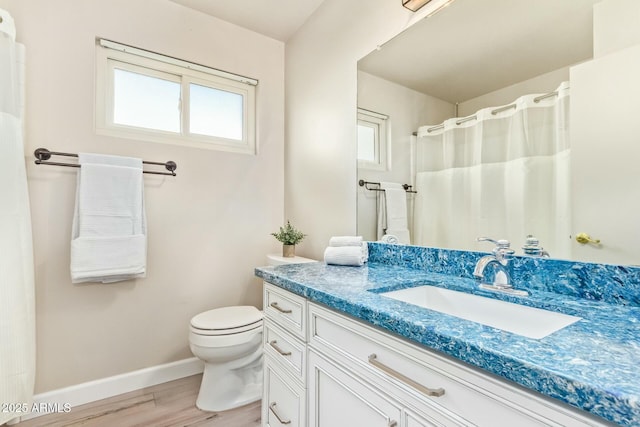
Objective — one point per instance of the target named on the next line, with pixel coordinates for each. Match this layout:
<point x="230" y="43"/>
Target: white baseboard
<point x="79" y="394"/>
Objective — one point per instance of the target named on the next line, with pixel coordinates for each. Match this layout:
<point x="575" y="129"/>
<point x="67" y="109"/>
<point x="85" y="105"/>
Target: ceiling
<point x="278" y="19"/>
<point x="474" y="47"/>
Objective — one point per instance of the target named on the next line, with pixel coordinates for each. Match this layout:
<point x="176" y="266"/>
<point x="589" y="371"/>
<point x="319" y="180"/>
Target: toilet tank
<point x="275" y="259"/>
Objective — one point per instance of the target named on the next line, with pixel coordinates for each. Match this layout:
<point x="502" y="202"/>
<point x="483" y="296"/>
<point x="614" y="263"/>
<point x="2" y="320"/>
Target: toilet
<point x="229" y="342"/>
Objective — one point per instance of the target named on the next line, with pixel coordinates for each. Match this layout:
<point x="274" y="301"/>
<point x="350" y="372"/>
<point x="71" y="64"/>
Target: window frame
<point x="168" y="68"/>
<point x="379" y="122"/>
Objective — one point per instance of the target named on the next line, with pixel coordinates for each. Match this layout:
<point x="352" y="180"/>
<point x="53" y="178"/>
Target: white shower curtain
<point x="17" y="318"/>
<point x="504" y="175"/>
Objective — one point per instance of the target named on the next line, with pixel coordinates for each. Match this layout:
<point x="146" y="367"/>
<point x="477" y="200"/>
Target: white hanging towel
<point x="392" y="212"/>
<point x="108" y="242"/>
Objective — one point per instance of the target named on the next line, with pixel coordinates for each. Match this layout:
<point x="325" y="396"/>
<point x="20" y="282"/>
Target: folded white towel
<point x="109" y="240"/>
<point x="345" y="241"/>
<point x="108" y="259"/>
<point x="390" y="239"/>
<point x="402" y="235"/>
<point x="346" y="255"/>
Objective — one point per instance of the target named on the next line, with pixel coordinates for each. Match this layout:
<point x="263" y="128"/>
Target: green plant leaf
<point x="288" y="235"/>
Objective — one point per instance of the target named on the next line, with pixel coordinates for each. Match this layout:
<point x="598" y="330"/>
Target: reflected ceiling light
<point x="414" y="5"/>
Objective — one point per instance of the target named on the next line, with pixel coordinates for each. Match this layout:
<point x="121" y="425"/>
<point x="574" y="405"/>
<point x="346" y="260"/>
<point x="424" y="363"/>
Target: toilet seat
<point x="230" y="331"/>
<point x="226" y="321"/>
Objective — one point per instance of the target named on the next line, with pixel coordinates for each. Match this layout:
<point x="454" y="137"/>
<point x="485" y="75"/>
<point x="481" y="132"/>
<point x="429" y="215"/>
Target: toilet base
<point x="223" y="388"/>
<point x="250" y="395"/>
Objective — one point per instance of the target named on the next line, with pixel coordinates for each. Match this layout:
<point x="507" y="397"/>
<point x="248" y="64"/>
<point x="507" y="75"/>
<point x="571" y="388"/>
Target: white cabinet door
<point x="413" y="420"/>
<point x="339" y="399"/>
<point x="283" y="400"/>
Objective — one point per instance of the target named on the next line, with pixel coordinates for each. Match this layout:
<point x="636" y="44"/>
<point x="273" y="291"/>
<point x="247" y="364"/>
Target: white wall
<point x="407" y="110"/>
<point x="321" y="103"/>
<point x="604" y="157"/>
<point x="615" y="26"/>
<point x="208" y="227"/>
<point x="604" y="139"/>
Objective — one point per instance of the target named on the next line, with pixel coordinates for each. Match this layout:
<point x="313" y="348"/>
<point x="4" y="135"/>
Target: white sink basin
<point x="518" y="319"/>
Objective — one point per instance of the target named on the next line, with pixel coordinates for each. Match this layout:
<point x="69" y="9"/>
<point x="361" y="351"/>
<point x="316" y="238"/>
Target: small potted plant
<point x="289" y="237"/>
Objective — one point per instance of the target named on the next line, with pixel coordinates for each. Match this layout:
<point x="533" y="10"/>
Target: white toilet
<point x="229" y="342"/>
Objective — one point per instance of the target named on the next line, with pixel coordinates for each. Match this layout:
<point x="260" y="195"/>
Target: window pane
<point x="215" y="112"/>
<point x="366" y="143"/>
<point x="146" y="102"/>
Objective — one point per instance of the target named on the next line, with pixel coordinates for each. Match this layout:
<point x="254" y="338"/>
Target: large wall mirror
<point x="507" y="118"/>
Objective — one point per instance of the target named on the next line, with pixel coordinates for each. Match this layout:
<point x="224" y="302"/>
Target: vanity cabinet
<point x="430" y="389"/>
<point x="285" y="358"/>
<point x="337" y="371"/>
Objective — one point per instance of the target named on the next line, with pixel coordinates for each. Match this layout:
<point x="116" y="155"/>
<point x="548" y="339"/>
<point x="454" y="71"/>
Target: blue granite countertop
<point x="593" y="364"/>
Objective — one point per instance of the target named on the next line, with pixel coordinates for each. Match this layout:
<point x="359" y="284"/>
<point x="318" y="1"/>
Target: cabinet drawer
<point x="287" y="310"/>
<point x="339" y="398"/>
<point x="467" y="394"/>
<point x="285" y="349"/>
<point x="283" y="403"/>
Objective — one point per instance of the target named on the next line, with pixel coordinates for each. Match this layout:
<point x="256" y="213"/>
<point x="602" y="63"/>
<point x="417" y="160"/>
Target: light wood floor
<point x="164" y="405"/>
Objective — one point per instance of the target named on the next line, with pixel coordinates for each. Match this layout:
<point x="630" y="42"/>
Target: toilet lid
<point x="227" y="318"/>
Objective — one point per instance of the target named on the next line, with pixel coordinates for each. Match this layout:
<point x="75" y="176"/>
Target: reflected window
<point x="372" y="140"/>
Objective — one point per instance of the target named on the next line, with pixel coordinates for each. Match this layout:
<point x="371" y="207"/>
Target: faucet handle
<point x="486" y="239"/>
<point x="502" y="251"/>
<point x="532" y="247"/>
<point x="500" y="244"/>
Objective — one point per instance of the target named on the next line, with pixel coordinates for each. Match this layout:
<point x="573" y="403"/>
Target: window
<point x="152" y="97"/>
<point x="372" y="140"/>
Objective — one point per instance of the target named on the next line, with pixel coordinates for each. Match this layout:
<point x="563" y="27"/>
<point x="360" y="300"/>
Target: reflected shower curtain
<point x="17" y="319"/>
<point x="504" y="175"/>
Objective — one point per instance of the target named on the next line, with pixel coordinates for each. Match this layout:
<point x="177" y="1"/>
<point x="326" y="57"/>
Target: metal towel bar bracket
<point x="43" y="155"/>
<point x="365" y="184"/>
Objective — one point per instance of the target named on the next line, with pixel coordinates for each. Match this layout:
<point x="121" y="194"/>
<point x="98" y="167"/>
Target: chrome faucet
<point x="500" y="256"/>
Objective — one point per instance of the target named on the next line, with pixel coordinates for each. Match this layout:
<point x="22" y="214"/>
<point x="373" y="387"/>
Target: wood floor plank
<point x="170" y="404"/>
<point x="87" y="414"/>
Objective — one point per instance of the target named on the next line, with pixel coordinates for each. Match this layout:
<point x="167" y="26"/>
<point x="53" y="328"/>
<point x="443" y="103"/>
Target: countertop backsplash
<point x="613" y="284"/>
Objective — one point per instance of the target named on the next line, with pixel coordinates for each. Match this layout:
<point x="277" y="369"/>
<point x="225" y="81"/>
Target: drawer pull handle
<point x="274" y="344"/>
<point x="393" y="423"/>
<point x="436" y="392"/>
<point x="272" y="408"/>
<point x="277" y="307"/>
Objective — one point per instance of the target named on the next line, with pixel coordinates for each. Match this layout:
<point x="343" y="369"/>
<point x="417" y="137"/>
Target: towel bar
<point x="43" y="154"/>
<point x="365" y="184"/>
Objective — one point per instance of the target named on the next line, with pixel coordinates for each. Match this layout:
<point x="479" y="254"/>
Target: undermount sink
<point x="519" y="319"/>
